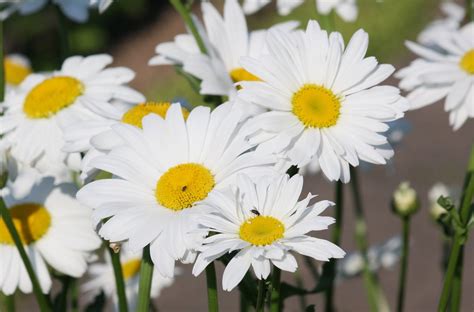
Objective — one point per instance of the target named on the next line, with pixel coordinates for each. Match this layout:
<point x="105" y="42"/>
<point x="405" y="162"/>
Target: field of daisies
<point x="283" y="155"/>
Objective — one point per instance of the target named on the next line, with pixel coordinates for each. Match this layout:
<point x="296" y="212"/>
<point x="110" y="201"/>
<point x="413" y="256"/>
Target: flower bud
<point x="405" y="200"/>
<point x="438" y="190"/>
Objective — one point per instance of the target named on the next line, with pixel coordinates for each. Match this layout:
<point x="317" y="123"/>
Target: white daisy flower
<point x="346" y="9"/>
<point x="101" y="278"/>
<point x="454" y="15"/>
<point x="44" y="104"/>
<point x="325" y="104"/>
<point x="55" y="230"/>
<point x="447" y="74"/>
<point x="263" y="221"/>
<point x="165" y="172"/>
<point x="17" y="68"/>
<point x="96" y="137"/>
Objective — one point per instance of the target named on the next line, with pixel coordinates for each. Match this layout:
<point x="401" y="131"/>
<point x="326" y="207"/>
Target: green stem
<point x="457" y="284"/>
<point x="244" y="303"/>
<point x="336" y="239"/>
<point x="300" y="285"/>
<point x="10" y="303"/>
<point x="186" y="16"/>
<point x="146" y="274"/>
<point x="404" y="262"/>
<point x="74" y="296"/>
<point x="119" y="280"/>
<point x="2" y="65"/>
<point x="470" y="10"/>
<point x="275" y="301"/>
<point x="260" y="296"/>
<point x="43" y="302"/>
<point x="61" y="302"/>
<point x="212" y="300"/>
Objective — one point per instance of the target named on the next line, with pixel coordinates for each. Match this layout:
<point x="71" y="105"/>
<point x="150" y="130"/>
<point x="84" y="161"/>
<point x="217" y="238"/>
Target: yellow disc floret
<point x="316" y="106"/>
<point x="183" y="185"/>
<point x="261" y="230"/>
<point x="52" y="95"/>
<point x="467" y="62"/>
<point x="240" y="74"/>
<point x="32" y="221"/>
<point x="130" y="268"/>
<point x="135" y="114"/>
<point x="15" y="72"/>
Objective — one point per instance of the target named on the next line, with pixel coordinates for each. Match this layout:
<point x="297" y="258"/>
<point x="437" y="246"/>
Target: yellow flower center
<point x="240" y="74"/>
<point x="32" y="221"/>
<point x="135" y="114"/>
<point x="130" y="268"/>
<point x="315" y="106"/>
<point x="15" y="72"/>
<point x="261" y="230"/>
<point x="467" y="62"/>
<point x="183" y="185"/>
<point x="52" y="95"/>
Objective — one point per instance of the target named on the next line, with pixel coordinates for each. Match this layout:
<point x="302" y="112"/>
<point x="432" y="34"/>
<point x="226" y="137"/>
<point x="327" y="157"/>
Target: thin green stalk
<point x="212" y="300"/>
<point x="60" y="303"/>
<point x="455" y="267"/>
<point x="244" y="303"/>
<point x="10" y="303"/>
<point x="119" y="280"/>
<point x="470" y="10"/>
<point x="404" y="263"/>
<point x="457" y="284"/>
<point x="300" y="285"/>
<point x="74" y="296"/>
<point x="260" y="296"/>
<point x="146" y="273"/>
<point x="336" y="239"/>
<point x="186" y="16"/>
<point x="275" y="301"/>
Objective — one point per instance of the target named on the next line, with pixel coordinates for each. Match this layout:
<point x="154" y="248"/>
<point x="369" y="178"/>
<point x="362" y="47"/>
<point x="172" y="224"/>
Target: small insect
<point x="184" y="188"/>
<point x="255" y="212"/>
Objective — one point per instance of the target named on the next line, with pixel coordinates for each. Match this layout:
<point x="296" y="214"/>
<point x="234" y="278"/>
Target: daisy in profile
<point x="101" y="278"/>
<point x="165" y="172"/>
<point x="55" y="229"/>
<point x="17" y="68"/>
<point x="346" y="9"/>
<point x="96" y="137"/>
<point x="265" y="223"/>
<point x="43" y="105"/>
<point x="325" y="104"/>
<point x="444" y="70"/>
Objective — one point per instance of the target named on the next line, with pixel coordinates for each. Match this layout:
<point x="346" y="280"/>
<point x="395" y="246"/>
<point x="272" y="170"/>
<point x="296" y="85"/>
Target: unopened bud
<point x="405" y="201"/>
<point x="438" y="190"/>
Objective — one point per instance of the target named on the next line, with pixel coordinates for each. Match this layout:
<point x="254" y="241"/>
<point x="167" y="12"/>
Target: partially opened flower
<point x="44" y="104"/>
<point x="101" y="278"/>
<point x="17" y="68"/>
<point x="165" y="172"/>
<point x="444" y="70"/>
<point x="55" y="229"/>
<point x="265" y="223"/>
<point x="325" y="104"/>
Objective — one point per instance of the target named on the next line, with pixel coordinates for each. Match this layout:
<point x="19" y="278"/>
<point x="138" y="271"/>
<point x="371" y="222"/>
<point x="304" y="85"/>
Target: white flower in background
<point x="264" y="222"/>
<point x="101" y="278"/>
<point x="75" y="10"/>
<point x="346" y="9"/>
<point x="443" y="71"/>
<point x="324" y="100"/>
<point x="454" y="15"/>
<point x="17" y="68"/>
<point x="96" y="137"/>
<point x="55" y="229"/>
<point x="43" y="105"/>
<point x="165" y="171"/>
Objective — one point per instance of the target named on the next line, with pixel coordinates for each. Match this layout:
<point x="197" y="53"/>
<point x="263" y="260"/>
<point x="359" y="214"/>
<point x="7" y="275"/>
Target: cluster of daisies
<point x="87" y="154"/>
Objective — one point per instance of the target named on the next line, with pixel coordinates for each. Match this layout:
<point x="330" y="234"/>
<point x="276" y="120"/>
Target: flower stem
<point x="43" y="302"/>
<point x="188" y="20"/>
<point x="275" y="302"/>
<point x="336" y="239"/>
<point x="260" y="296"/>
<point x="10" y="303"/>
<point x="404" y="263"/>
<point x="2" y="67"/>
<point x="212" y="300"/>
<point x="119" y="281"/>
<point x="457" y="284"/>
<point x="146" y="274"/>
<point x="470" y="10"/>
<point x="455" y="266"/>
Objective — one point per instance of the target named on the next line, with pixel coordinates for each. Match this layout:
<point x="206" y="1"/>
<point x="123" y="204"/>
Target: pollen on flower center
<point x="240" y="74"/>
<point x="135" y="114"/>
<point x="15" y="72"/>
<point x="32" y="221"/>
<point x="316" y="106"/>
<point x="261" y="230"/>
<point x="130" y="268"/>
<point x="52" y="95"/>
<point x="467" y="62"/>
<point x="183" y="185"/>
